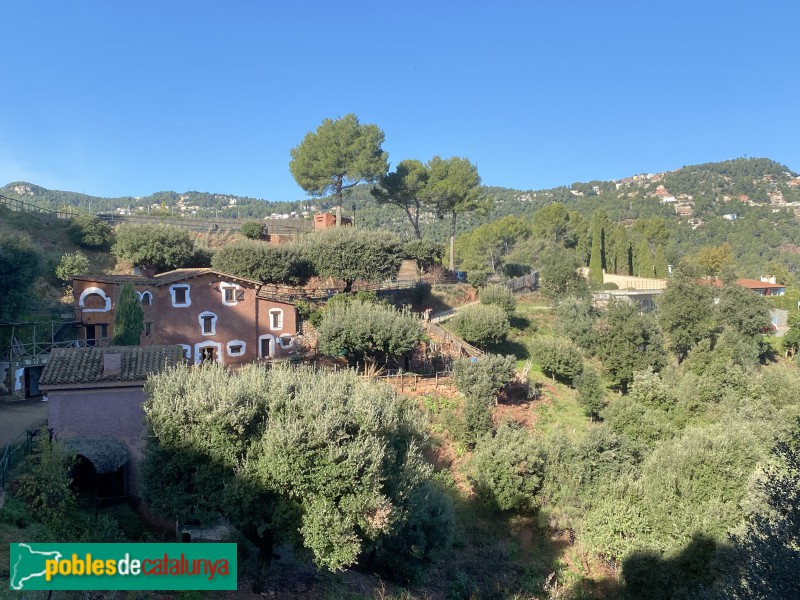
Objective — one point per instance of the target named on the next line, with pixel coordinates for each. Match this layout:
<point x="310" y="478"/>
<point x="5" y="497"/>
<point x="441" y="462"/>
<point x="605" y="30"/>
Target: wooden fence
<point x="22" y="206"/>
<point x="463" y="348"/>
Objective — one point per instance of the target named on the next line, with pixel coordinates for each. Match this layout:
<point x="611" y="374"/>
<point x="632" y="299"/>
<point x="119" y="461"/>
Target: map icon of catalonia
<point x="29" y="564"/>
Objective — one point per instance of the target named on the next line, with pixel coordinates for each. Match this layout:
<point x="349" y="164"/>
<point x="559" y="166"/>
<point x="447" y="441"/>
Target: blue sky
<point x="130" y="98"/>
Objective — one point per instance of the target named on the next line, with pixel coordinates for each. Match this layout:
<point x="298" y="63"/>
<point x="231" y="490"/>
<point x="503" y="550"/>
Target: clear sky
<point x="117" y="98"/>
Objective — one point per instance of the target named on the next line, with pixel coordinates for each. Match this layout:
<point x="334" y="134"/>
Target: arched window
<point x="94" y="299"/>
<point x="146" y="298"/>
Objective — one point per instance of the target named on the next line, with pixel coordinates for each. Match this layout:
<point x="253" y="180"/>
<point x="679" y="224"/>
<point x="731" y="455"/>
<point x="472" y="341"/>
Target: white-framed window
<point x="180" y="294"/>
<point x="208" y="323"/>
<point x="286" y="341"/>
<point x="275" y="318"/>
<point x="231" y="293"/>
<point x="207" y="352"/>
<point x="145" y="298"/>
<point x="187" y="351"/>
<point x="236" y="347"/>
<point x="94" y="299"/>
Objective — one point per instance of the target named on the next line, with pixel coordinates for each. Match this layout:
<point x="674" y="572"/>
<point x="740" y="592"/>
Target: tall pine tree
<point x="128" y="318"/>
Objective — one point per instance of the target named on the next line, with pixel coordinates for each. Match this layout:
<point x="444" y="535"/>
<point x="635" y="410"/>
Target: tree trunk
<point x="453" y="243"/>
<point x="348" y="286"/>
<point x="265" y="546"/>
<point x="339" y="200"/>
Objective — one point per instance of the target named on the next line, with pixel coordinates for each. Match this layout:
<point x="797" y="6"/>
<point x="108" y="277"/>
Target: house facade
<point x="213" y="316"/>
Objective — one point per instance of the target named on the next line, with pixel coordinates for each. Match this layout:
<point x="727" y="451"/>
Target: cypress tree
<point x="660" y="262"/>
<point x="128" y="318"/>
<point x="644" y="260"/>
<point x="596" y="259"/>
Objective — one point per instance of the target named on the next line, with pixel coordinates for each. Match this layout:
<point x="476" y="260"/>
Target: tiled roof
<point x="179" y="275"/>
<point x="85" y="365"/>
<point x="134" y="279"/>
<point x="165" y="278"/>
<point x="757" y="284"/>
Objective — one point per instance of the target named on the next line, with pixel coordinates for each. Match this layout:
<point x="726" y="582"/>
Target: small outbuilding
<point x="95" y="405"/>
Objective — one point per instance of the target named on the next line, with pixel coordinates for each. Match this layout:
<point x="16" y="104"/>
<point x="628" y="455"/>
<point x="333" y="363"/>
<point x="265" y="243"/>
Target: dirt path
<point x="16" y="417"/>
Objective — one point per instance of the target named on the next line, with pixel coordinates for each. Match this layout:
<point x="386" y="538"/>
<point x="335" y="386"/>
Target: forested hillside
<point x="683" y="210"/>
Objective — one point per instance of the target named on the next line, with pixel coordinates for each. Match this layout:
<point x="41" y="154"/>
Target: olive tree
<point x="71" y="263"/>
<point x="481" y="324"/>
<point x="261" y="262"/>
<point x="349" y="254"/>
<point x="367" y="331"/>
<point x="559" y="358"/>
<point x="324" y="461"/>
<point x="160" y="247"/>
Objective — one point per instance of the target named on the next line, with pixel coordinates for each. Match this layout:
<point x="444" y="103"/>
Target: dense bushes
<point x="499" y="295"/>
<point x="90" y="231"/>
<point x="367" y="331"/>
<point x="160" y="247"/>
<point x="20" y="264"/>
<point x="325" y="461"/>
<point x="481" y="324"/>
<point x="480" y="380"/>
<point x="507" y="468"/>
<point x="262" y="262"/>
<point x="253" y="230"/>
<point x="558" y="358"/>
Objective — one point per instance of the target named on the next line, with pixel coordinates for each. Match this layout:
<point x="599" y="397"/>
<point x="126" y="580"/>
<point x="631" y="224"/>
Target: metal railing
<point x="14" y="450"/>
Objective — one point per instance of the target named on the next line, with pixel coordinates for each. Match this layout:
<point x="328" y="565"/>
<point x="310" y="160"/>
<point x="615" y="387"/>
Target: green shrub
<point x="426" y="252"/>
<point x="559" y="358"/>
<point x="72" y="263"/>
<point x="481" y="324"/>
<point x="507" y="469"/>
<point x="263" y="262"/>
<point x="160" y="247"/>
<point x="90" y="231"/>
<point x="483" y="377"/>
<point x="253" y="230"/>
<point x="591" y="392"/>
<point x="499" y="295"/>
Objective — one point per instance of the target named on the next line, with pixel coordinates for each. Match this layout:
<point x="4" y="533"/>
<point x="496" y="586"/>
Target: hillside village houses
<point x="213" y="316"/>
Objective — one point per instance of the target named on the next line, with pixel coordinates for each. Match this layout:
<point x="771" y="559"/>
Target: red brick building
<point x="328" y="220"/>
<point x="212" y="315"/>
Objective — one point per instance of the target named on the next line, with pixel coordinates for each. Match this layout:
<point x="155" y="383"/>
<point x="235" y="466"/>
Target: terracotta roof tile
<point x="85" y="365"/>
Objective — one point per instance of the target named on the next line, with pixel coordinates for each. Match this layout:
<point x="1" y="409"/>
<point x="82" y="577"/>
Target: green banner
<point x="123" y="566"/>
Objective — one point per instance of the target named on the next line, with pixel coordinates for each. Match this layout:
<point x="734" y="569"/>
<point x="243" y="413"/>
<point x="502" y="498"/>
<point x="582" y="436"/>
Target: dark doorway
<point x="88" y="483"/>
<point x="208" y="354"/>
<point x="91" y="336"/>
<point x="32" y="376"/>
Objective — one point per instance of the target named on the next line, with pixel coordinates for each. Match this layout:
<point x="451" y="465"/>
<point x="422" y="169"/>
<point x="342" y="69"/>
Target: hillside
<point x="761" y="195"/>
